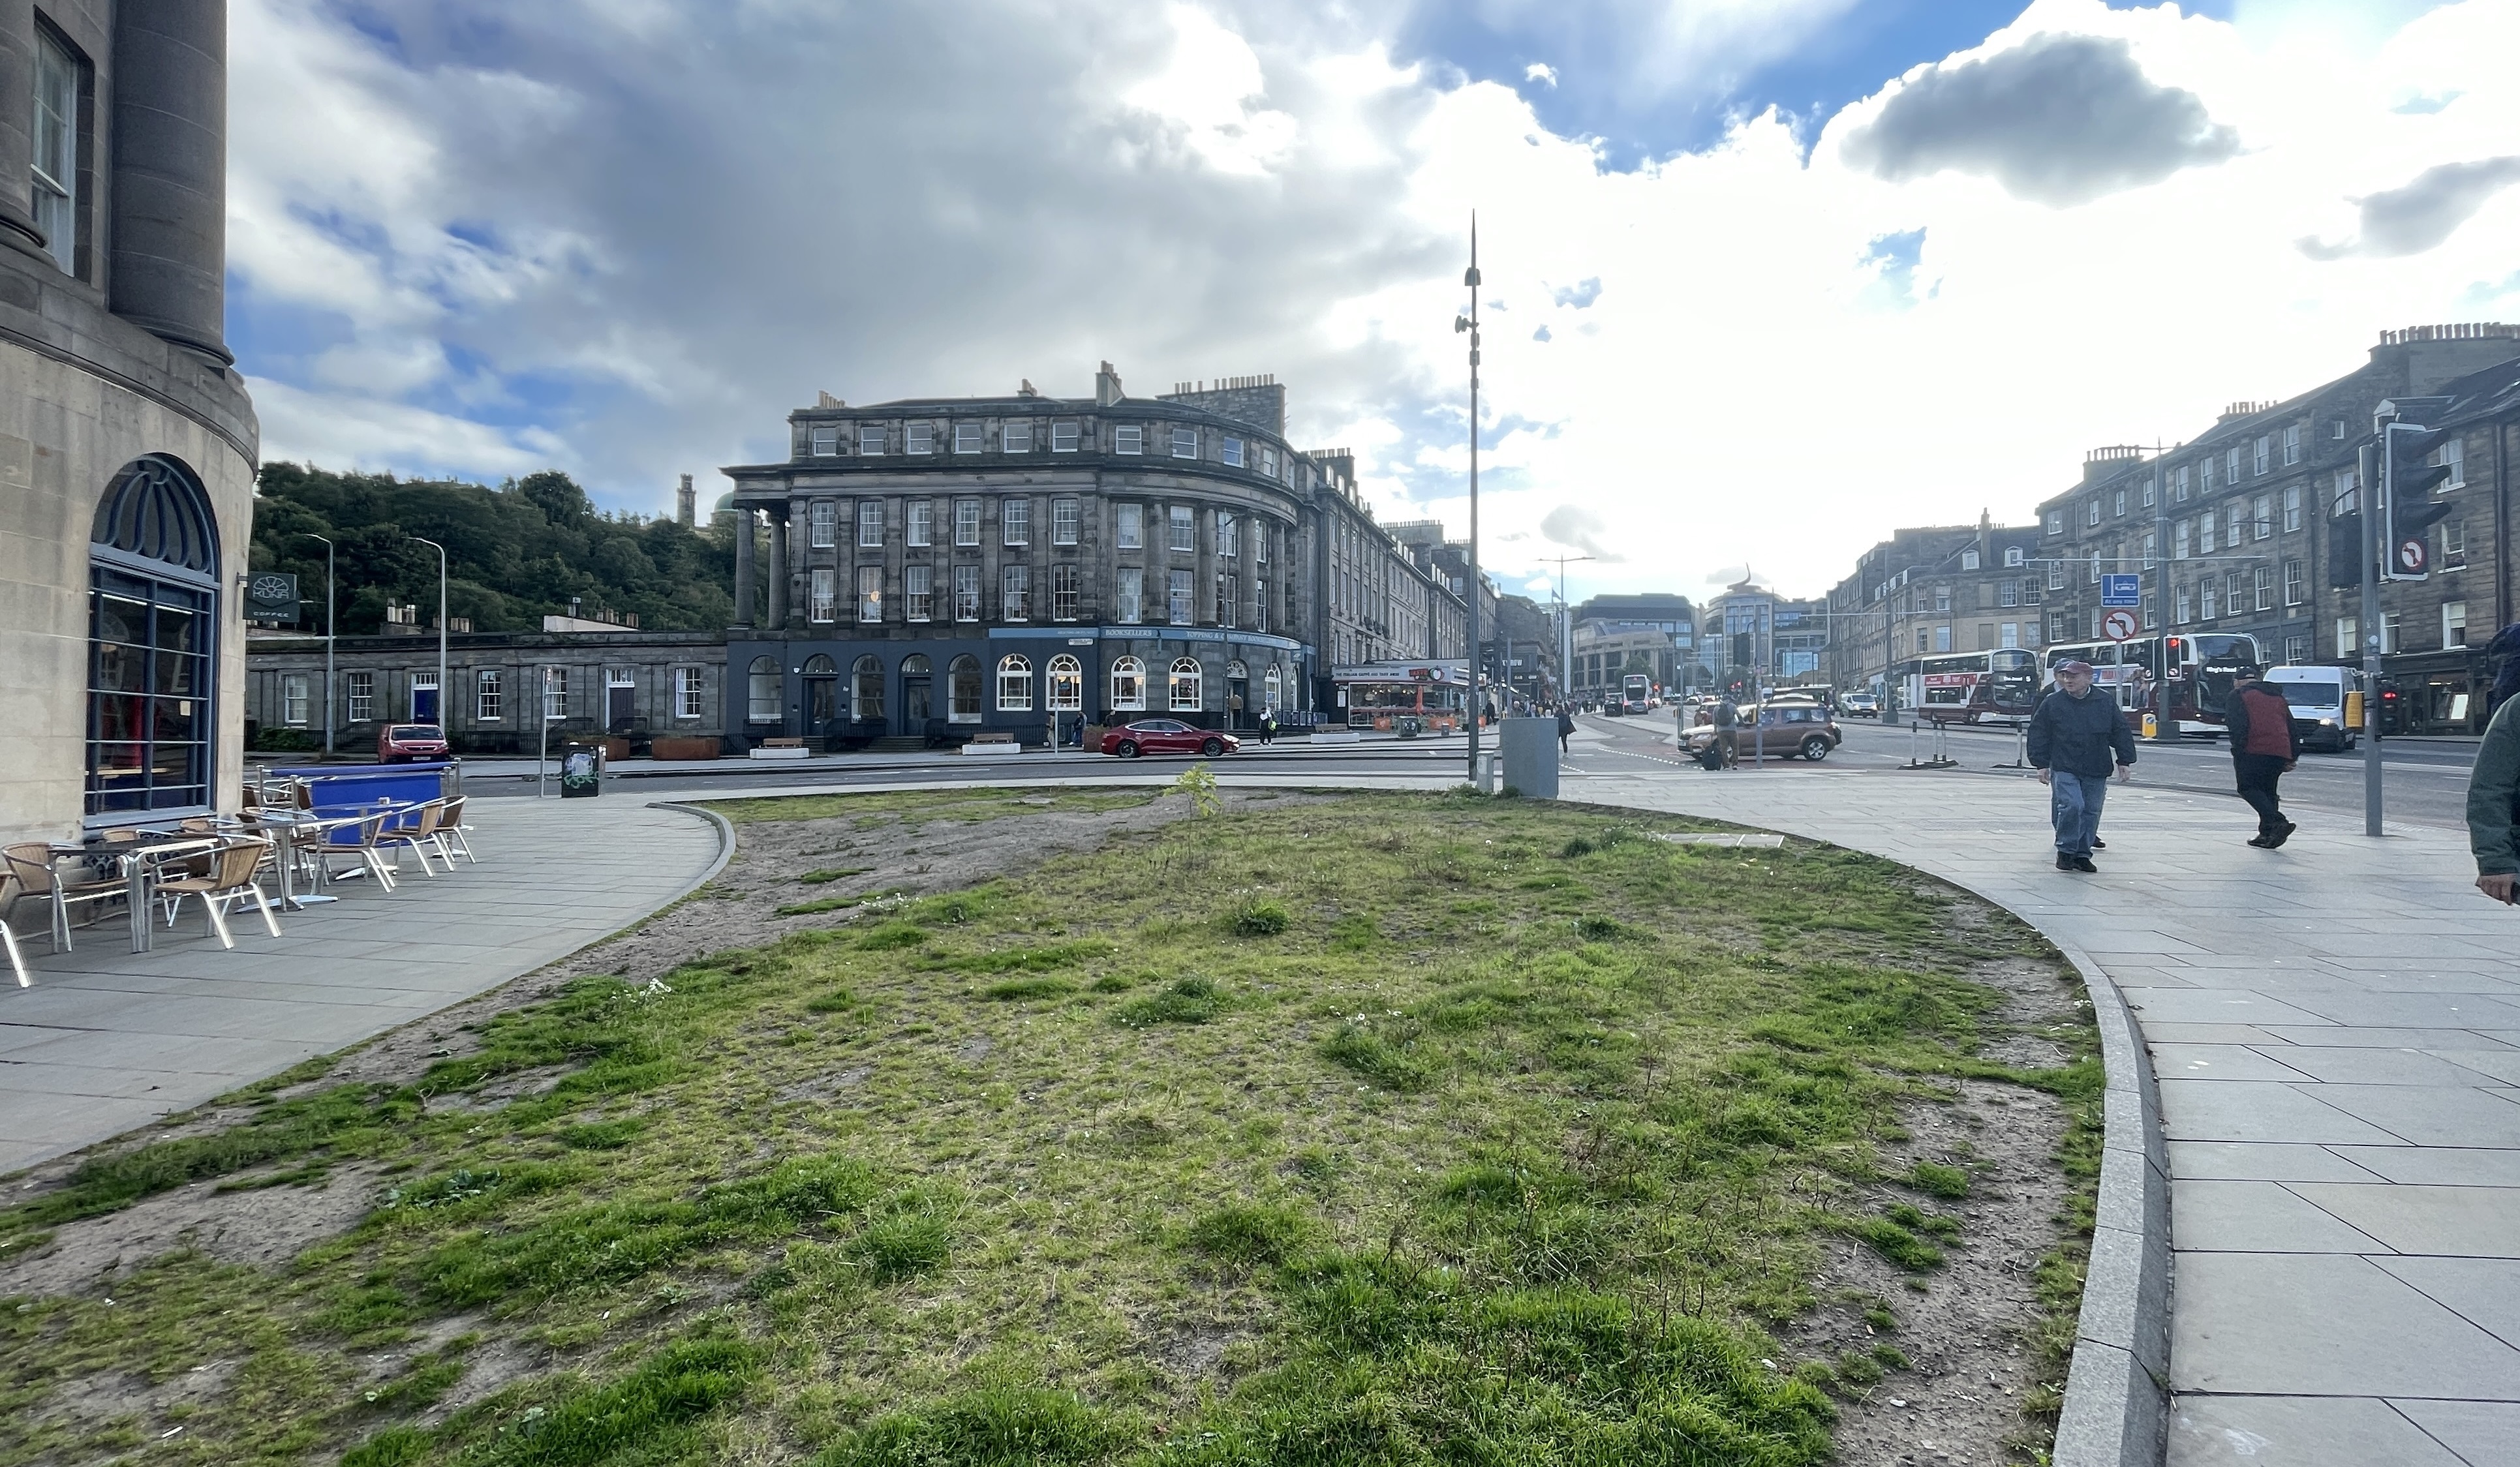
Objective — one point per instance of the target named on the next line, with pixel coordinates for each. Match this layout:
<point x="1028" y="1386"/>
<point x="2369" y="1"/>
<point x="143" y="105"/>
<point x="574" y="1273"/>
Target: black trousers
<point x="2257" y="775"/>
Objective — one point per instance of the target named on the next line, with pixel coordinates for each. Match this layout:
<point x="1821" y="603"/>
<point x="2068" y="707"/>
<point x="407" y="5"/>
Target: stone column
<point x="780" y="573"/>
<point x="169" y="161"/>
<point x="743" y="567"/>
<point x="16" y="118"/>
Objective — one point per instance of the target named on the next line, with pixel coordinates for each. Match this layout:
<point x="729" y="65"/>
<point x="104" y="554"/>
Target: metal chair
<point x="369" y="838"/>
<point x="231" y="878"/>
<point x="420" y="836"/>
<point x="10" y="892"/>
<point x="453" y="834"/>
<point x="31" y="865"/>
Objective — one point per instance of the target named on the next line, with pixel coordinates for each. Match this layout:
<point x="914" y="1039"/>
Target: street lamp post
<point x="442" y="724"/>
<point x="1566" y="627"/>
<point x="328" y="638"/>
<point x="1470" y="323"/>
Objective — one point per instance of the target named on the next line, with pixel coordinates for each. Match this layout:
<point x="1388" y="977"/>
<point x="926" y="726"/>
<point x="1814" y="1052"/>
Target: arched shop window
<point x="1067" y="685"/>
<point x="1128" y="686"/>
<point x="1188" y="686"/>
<point x="153" y="642"/>
<point x="963" y="674"/>
<point x="762" y="694"/>
<point x="1014" y="684"/>
<point x="865" y="690"/>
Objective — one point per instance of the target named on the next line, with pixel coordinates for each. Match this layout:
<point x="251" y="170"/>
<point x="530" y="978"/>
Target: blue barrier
<point x="350" y="789"/>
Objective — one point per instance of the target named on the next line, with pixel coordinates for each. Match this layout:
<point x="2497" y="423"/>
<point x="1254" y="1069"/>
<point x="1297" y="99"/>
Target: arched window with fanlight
<point x="1188" y="685"/>
<point x="153" y="642"/>
<point x="962" y="690"/>
<point x="866" y="690"/>
<point x="1067" y="685"/>
<point x="1128" y="686"/>
<point x="1015" y="684"/>
<point x="1271" y="686"/>
<point x="762" y="694"/>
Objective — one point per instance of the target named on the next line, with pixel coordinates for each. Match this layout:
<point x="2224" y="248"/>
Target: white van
<point x="2326" y="704"/>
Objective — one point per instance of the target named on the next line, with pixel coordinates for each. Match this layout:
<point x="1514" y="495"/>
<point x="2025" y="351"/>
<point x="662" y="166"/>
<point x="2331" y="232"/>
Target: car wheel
<point x="1126" y="748"/>
<point x="1816" y="748"/>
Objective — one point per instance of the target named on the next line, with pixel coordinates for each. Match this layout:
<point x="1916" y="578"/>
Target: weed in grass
<point x="1184" y="1000"/>
<point x="1916" y="1219"/>
<point x="1938" y="1181"/>
<point x="1382" y="1054"/>
<point x="1018" y="960"/>
<point x="819" y="904"/>
<point x="1898" y="1244"/>
<point x="1891" y="1356"/>
<point x="990" y="1427"/>
<point x="837" y="1000"/>
<point x="834" y="874"/>
<point x="914" y="1237"/>
<point x="1018" y="990"/>
<point x="1250" y="1234"/>
<point x="1256" y="916"/>
<point x="1114" y="983"/>
<point x="893" y="935"/>
<point x="1355" y="934"/>
<point x="602" y="1136"/>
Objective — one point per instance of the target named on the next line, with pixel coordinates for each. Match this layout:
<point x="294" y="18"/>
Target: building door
<point x="1238" y="695"/>
<point x="917" y="692"/>
<point x="423" y="697"/>
<point x="822" y="694"/>
<point x="620" y="699"/>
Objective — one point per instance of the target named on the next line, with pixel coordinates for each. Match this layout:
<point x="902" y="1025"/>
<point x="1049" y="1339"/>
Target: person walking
<point x="2264" y="746"/>
<point x="2494" y="806"/>
<point x="1268" y="725"/>
<point x="2506" y="682"/>
<point x="2075" y="735"/>
<point x="1565" y="728"/>
<point x="1727" y="731"/>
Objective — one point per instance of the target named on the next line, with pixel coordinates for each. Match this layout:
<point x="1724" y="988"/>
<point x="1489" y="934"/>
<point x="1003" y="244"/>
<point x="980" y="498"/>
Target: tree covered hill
<point x="513" y="554"/>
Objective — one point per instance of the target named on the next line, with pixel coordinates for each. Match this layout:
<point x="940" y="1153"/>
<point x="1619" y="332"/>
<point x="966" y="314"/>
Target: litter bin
<point x="581" y="772"/>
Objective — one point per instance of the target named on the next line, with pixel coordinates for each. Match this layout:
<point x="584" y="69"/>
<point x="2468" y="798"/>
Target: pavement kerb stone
<point x="725" y="854"/>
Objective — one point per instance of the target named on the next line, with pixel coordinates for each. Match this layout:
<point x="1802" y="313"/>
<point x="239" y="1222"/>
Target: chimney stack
<point x="1106" y="388"/>
<point x="683" y="503"/>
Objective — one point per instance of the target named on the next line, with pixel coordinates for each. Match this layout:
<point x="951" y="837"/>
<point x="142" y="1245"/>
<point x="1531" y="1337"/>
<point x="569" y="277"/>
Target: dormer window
<point x="1128" y="438"/>
<point x="968" y="437"/>
<point x="871" y="441"/>
<point x="1062" y="438"/>
<point x="2013" y="555"/>
<point x="1968" y="559"/>
<point x="1184" y="443"/>
<point x="1016" y="438"/>
<point x="919" y="438"/>
<point x="1234" y="452"/>
<point x="825" y="442"/>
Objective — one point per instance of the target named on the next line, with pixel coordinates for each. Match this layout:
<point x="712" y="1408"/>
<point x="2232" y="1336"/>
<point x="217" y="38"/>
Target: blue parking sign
<point x="2121" y="591"/>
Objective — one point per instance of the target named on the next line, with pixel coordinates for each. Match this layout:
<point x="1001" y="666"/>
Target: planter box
<point x="780" y="751"/>
<point x="684" y="747"/>
<point x="986" y="750"/>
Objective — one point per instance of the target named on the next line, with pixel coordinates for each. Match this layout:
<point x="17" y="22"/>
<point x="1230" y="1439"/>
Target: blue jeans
<point x="2074" y="804"/>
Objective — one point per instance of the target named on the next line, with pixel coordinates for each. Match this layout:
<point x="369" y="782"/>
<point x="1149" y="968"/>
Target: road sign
<point x="2118" y="625"/>
<point x="2412" y="558"/>
<point x="2121" y="591"/>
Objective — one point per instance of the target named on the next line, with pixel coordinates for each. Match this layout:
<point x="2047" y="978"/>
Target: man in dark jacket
<point x="2263" y="748"/>
<point x="2075" y="736"/>
<point x="1727" y="731"/>
<point x="2506" y="682"/>
<point x="1565" y="727"/>
<point x="2494" y="806"/>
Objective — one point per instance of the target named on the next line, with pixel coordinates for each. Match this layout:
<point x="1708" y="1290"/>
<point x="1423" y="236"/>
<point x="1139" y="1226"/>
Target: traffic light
<point x="2408" y="511"/>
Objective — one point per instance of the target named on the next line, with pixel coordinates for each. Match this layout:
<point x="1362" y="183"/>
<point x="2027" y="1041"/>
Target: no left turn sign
<point x="2118" y="625"/>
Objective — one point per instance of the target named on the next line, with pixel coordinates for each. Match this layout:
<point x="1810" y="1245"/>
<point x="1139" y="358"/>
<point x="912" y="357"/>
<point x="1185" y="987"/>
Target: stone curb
<point x="725" y="854"/>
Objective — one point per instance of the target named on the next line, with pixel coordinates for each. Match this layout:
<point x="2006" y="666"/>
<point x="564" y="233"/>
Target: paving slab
<point x="2484" y="1433"/>
<point x="2259" y="1430"/>
<point x="108" y="1039"/>
<point x="2485" y="1292"/>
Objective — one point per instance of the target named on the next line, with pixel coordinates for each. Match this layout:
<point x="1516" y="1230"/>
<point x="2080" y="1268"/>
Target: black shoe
<point x="2066" y="862"/>
<point x="2098" y="844"/>
<point x="2263" y="843"/>
<point x="2084" y="864"/>
<point x="2281" y="835"/>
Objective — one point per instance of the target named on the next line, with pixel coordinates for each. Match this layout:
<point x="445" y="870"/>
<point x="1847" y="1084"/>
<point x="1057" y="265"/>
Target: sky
<point x="1764" y="279"/>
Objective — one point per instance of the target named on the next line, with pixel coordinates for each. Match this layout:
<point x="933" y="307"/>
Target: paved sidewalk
<point x="2336" y="1031"/>
<point x="108" y="1039"/>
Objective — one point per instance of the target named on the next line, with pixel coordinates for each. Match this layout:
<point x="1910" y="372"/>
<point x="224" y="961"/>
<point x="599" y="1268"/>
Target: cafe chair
<point x="420" y="836"/>
<point x="452" y="834"/>
<point x="231" y="878"/>
<point x="31" y="865"/>
<point x="10" y="892"/>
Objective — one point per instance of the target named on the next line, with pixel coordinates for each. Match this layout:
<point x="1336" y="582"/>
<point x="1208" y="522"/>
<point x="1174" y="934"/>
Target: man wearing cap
<point x="2263" y="748"/>
<point x="2075" y="736"/>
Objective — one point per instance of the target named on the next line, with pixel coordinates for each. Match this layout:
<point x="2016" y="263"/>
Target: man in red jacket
<point x="2264" y="749"/>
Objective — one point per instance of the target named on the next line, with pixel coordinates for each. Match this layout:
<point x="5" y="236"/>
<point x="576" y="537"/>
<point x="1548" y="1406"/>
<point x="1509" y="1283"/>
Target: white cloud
<point x="1542" y="72"/>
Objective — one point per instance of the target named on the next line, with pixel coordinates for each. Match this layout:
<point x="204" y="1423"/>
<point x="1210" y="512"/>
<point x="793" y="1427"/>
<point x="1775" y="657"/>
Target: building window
<point x="824" y="442"/>
<point x="2263" y="586"/>
<point x="869" y="593"/>
<point x="2151" y="491"/>
<point x="1268" y="461"/>
<point x="1015" y="684"/>
<point x="2095" y="574"/>
<point x="1129" y="525"/>
<point x="2186" y="607"/>
<point x="919" y="438"/>
<point x="486" y="696"/>
<point x="2453" y="617"/>
<point x="967" y="593"/>
<point x="2205" y="473"/>
<point x="1015" y="603"/>
<point x="1232" y="452"/>
<point x="1067" y="685"/>
<point x="1128" y="686"/>
<point x="1259" y="604"/>
<point x="1184" y="443"/>
<point x="292" y="699"/>
<point x="762" y="692"/>
<point x="1014" y="521"/>
<point x="2264" y="458"/>
<point x="1968" y="559"/>
<point x="1130" y="596"/>
<point x="1065" y="588"/>
<point x="2179" y="478"/>
<point x="2205" y="601"/>
<point x="362" y="690"/>
<point x="1943" y="594"/>
<point x="865" y="690"/>
<point x="1188" y="685"/>
<point x="1015" y="437"/>
<point x="2235" y="588"/>
<point x="824" y="595"/>
<point x="153" y="564"/>
<point x="871" y="524"/>
<point x="2453" y="454"/>
<point x="1062" y="438"/>
<point x="962" y="690"/>
<point x="2118" y="504"/>
<point x="2292" y="444"/>
<point x="1224" y="600"/>
<point x="2008" y="594"/>
<point x="1128" y="438"/>
<point x="2232" y="465"/>
<point x="2055" y="521"/>
<point x="2263" y="513"/>
<point x="966" y="522"/>
<point x="1185" y="530"/>
<point x="1925" y="639"/>
<point x="2237" y="514"/>
<point x="869" y="440"/>
<point x="1177" y="594"/>
<point x="969" y="437"/>
<point x="2011" y="634"/>
<point x="822" y="524"/>
<point x="918" y="593"/>
<point x="2293" y="583"/>
<point x="2205" y="534"/>
<point x="2292" y="509"/>
<point x="2296" y="649"/>
<point x="2091" y="513"/>
<point x="2453" y="544"/>
<point x="689" y="691"/>
<point x="2012" y="555"/>
<point x="1228" y="541"/>
<point x="58" y="76"/>
<point x="1064" y="522"/>
<point x="2348" y="633"/>
<point x="2348" y="496"/>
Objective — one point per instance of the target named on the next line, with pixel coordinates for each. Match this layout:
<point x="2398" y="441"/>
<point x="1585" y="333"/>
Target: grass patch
<point x="819" y="904"/>
<point x="1355" y="1129"/>
<point x="832" y="874"/>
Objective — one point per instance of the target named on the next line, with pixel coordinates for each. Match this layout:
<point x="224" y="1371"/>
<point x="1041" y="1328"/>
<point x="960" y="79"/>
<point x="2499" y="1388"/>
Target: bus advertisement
<point x="2184" y="680"/>
<point x="1961" y="688"/>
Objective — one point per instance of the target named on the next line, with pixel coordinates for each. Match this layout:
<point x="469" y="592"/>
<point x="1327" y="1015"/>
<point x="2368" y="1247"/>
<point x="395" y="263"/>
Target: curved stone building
<point x="127" y="444"/>
<point x="936" y="568"/>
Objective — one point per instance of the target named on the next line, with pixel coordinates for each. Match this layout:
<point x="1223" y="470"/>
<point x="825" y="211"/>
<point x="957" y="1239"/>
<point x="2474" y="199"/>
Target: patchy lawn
<point x="1331" y="1129"/>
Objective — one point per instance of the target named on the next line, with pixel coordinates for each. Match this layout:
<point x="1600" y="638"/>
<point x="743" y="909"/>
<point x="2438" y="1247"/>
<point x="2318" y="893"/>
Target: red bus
<point x="1961" y="688"/>
<point x="2185" y="680"/>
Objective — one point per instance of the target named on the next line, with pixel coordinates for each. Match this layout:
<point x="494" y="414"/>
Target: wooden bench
<point x="994" y="743"/>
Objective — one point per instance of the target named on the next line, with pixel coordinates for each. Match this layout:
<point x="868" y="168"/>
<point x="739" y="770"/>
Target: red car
<point x="1165" y="736"/>
<point x="400" y="744"/>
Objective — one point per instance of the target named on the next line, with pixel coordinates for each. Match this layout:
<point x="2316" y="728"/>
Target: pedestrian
<point x="1727" y="731"/>
<point x="1565" y="728"/>
<point x="2074" y="736"/>
<point x="2264" y="746"/>
<point x="2494" y="806"/>
<point x="1268" y="725"/>
<point x="2505" y="645"/>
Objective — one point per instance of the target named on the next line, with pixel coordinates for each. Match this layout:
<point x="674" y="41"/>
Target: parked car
<point x="1165" y="736"/>
<point x="400" y="744"/>
<point x="1860" y="705"/>
<point x="1787" y="728"/>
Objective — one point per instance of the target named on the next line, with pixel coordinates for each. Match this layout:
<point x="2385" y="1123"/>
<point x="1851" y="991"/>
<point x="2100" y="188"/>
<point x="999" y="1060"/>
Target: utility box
<point x="1530" y="756"/>
<point x="581" y="772"/>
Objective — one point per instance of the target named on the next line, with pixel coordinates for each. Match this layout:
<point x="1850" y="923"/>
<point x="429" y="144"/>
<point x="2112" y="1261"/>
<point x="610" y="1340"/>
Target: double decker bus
<point x="1636" y="693"/>
<point x="1405" y="697"/>
<point x="1961" y="688"/>
<point x="2186" y="681"/>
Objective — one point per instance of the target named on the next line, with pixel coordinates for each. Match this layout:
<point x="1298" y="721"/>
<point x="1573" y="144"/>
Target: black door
<point x="916" y="704"/>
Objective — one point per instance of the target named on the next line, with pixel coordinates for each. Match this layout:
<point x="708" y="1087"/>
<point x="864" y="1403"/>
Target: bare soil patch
<point x="260" y="1226"/>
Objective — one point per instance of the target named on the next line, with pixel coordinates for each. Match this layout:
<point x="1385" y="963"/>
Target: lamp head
<point x="1460" y="323"/>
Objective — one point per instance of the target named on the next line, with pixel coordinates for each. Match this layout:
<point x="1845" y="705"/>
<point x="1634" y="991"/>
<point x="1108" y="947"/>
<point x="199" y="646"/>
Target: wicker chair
<point x="454" y="836"/>
<point x="31" y="865"/>
<point x="231" y="878"/>
<point x="420" y="836"/>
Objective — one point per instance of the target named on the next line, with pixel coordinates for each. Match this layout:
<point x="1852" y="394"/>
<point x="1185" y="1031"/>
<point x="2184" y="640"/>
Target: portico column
<point x="743" y="567"/>
<point x="779" y="573"/>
